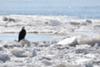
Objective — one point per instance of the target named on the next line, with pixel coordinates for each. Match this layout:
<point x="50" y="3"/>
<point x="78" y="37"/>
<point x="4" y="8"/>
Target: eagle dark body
<point x="22" y="34"/>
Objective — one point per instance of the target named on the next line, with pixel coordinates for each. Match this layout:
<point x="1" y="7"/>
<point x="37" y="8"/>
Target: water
<point x="79" y="8"/>
<point x="81" y="12"/>
<point x="30" y="37"/>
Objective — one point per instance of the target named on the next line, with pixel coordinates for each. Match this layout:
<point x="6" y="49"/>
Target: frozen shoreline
<point x="51" y="53"/>
<point x="48" y="54"/>
<point x="44" y="24"/>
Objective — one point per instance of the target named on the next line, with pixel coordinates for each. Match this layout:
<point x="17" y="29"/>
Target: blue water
<point x="30" y="37"/>
<point x="79" y="8"/>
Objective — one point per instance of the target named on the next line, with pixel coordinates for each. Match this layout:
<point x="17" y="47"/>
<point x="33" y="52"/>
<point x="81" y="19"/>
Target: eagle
<point x="22" y="34"/>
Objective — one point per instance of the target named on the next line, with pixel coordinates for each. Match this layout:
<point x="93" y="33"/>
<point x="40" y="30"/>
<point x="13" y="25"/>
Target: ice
<point x="78" y="56"/>
<point x="77" y="42"/>
<point x="18" y="52"/>
<point x="4" y="57"/>
<point x="68" y="41"/>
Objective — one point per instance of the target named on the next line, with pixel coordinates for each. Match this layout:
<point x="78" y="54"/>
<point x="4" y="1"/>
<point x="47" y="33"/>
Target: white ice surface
<point x="50" y="54"/>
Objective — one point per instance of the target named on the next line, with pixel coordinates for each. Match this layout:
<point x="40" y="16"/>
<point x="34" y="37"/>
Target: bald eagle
<point x="22" y="34"/>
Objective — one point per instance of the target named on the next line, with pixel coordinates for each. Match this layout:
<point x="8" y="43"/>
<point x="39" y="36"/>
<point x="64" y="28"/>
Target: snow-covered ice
<point x="77" y="42"/>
